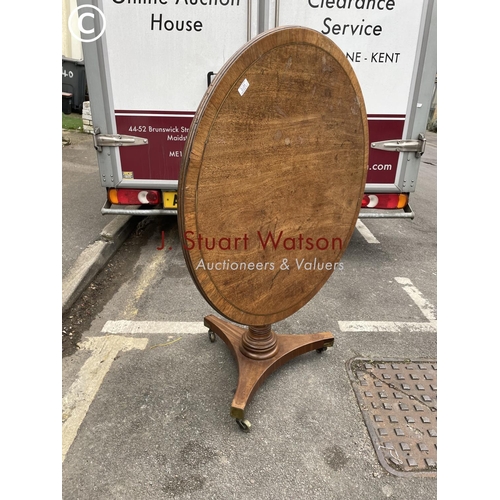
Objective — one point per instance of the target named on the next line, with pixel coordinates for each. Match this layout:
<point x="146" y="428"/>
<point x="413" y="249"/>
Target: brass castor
<point x="245" y="425"/>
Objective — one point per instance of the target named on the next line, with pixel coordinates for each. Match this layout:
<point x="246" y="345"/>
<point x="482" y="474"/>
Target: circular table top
<point x="273" y="175"/>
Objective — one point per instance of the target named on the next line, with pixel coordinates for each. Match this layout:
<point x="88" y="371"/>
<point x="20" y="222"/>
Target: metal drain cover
<point x="398" y="400"/>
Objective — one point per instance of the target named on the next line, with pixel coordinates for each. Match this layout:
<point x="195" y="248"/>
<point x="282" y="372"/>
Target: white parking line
<point x="77" y="400"/>
<point x="423" y="304"/>
<point x="365" y="232"/>
<point x="148" y="327"/>
<point x="386" y="326"/>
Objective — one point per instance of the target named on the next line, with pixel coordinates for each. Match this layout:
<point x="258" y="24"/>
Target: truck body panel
<point x="151" y="62"/>
<point x="389" y="43"/>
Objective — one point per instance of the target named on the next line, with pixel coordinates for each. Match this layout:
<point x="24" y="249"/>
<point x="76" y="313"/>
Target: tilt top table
<point x="271" y="183"/>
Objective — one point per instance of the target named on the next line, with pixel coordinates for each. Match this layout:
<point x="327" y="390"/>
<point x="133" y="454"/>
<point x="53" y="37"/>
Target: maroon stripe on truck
<point x="382" y="165"/>
<point x="166" y="132"/>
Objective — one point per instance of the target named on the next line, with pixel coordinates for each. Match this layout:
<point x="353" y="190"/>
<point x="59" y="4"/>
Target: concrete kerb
<point x="95" y="257"/>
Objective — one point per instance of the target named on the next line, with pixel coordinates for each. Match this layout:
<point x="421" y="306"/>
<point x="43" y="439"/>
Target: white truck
<point x="148" y="64"/>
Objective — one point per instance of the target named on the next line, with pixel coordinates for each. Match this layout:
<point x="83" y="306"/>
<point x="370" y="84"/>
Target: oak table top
<point x="273" y="175"/>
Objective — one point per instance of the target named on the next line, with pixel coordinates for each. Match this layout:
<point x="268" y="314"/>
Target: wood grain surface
<point x="273" y="174"/>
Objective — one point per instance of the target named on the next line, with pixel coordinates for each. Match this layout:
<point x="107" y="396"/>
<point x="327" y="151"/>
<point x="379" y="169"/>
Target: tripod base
<point x="259" y="352"/>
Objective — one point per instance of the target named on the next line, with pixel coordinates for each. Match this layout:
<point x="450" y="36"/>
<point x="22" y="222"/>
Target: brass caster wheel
<point x="211" y="336"/>
<point x="245" y="425"/>
<point x="323" y="349"/>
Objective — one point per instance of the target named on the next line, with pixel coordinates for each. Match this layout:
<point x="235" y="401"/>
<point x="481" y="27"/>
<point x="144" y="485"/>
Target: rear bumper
<point x="108" y="208"/>
<point x="405" y="213"/>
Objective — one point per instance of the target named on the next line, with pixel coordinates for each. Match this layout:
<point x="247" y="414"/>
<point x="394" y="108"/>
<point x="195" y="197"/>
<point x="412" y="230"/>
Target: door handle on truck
<point x="210" y="74"/>
<point x="416" y="146"/>
<point x="101" y="140"/>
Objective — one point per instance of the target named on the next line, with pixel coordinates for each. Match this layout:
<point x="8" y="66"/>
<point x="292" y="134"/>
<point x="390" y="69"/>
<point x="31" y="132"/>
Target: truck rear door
<point x="148" y="64"/>
<point x="391" y="45"/>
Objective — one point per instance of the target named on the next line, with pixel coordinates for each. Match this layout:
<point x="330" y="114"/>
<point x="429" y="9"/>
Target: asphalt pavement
<point x="146" y="416"/>
<point x="89" y="238"/>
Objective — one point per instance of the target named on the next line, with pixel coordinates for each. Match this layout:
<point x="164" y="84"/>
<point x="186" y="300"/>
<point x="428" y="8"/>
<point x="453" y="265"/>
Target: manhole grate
<point x="398" y="400"/>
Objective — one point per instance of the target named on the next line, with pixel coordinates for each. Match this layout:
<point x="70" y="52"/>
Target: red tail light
<point x="134" y="196"/>
<point x="384" y="200"/>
